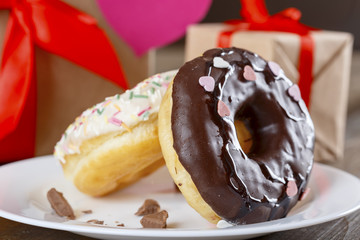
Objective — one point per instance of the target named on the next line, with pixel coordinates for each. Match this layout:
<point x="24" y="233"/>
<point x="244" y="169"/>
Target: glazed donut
<point x="115" y="142"/>
<point x="236" y="136"/>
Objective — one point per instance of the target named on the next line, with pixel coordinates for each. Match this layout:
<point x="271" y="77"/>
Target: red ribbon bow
<point x="60" y="29"/>
<point x="256" y="17"/>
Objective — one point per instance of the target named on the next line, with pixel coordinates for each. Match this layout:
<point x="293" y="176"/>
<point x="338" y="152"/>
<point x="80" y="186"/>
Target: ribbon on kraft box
<point x="60" y="29"/>
<point x="256" y="18"/>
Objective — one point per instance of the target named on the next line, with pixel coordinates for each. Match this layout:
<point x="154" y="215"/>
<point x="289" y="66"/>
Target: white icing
<point x="117" y="113"/>
<point x="224" y="224"/>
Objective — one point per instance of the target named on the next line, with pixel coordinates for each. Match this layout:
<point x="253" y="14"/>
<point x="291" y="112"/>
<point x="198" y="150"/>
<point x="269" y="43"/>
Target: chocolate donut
<point x="241" y="131"/>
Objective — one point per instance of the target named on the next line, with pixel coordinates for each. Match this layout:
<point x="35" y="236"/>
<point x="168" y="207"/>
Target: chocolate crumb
<point x="95" y="221"/>
<point x="60" y="204"/>
<point x="87" y="211"/>
<point x="149" y="206"/>
<point x="121" y="225"/>
<point x="155" y="220"/>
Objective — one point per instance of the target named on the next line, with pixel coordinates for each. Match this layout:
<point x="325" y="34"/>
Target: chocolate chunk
<point x="155" y="220"/>
<point x="60" y="204"/>
<point x="149" y="206"/>
<point x="87" y="211"/>
<point x="95" y="221"/>
<point x="121" y="225"/>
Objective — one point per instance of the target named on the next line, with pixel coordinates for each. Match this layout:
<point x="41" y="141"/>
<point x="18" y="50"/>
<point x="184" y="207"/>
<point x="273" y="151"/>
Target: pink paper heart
<point x="274" y="67"/>
<point x="222" y="109"/>
<point x="207" y="82"/>
<point x="294" y="92"/>
<point x="291" y="188"/>
<point x="249" y="73"/>
<point x="144" y="24"/>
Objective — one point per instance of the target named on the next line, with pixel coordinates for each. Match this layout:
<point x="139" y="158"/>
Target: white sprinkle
<point x="220" y="63"/>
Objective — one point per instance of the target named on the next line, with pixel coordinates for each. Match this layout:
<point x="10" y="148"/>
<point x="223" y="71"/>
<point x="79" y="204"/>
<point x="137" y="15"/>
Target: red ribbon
<point x="256" y="18"/>
<point x="60" y="29"/>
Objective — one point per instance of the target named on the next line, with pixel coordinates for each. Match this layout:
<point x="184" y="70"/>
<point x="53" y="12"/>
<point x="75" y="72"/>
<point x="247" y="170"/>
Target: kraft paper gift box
<point x="331" y="73"/>
<point x="65" y="90"/>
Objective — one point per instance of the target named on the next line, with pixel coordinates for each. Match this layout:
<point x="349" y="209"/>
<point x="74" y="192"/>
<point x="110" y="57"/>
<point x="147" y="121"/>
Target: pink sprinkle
<point x="166" y="85"/>
<point x="106" y="103"/>
<point x="291" y="189"/>
<point x="115" y="121"/>
<point x="143" y="111"/>
<point x="116" y="113"/>
<point x="222" y="109"/>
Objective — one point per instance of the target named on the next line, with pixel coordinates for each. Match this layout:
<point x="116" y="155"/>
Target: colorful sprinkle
<point x="144" y="84"/>
<point x="294" y="92"/>
<point x="222" y="109"/>
<point x="207" y="82"/>
<point x="274" y="67"/>
<point x="156" y="84"/>
<point x="140" y="96"/>
<point x="131" y="95"/>
<point x="115" y="121"/>
<point x="220" y="63"/>
<point x="249" y="73"/>
<point x="100" y="111"/>
<point x="126" y="127"/>
<point x="106" y="103"/>
<point x="145" y="115"/>
<point x="143" y="111"/>
<point x="116" y="113"/>
<point x="117" y="107"/>
<point x="291" y="188"/>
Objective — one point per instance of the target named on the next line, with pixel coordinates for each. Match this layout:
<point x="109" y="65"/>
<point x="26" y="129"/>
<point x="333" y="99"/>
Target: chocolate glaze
<point x="241" y="188"/>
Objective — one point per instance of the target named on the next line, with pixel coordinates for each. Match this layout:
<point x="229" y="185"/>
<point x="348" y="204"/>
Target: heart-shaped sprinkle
<point x="274" y="67"/>
<point x="291" y="188"/>
<point x="207" y="82"/>
<point x="220" y="63"/>
<point x="249" y="73"/>
<point x="222" y="109"/>
<point x="305" y="194"/>
<point x="294" y="92"/>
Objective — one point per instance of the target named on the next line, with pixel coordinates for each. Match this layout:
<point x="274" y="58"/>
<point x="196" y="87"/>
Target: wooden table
<point x="344" y="228"/>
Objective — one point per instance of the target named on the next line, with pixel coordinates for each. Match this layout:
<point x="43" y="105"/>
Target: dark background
<point x="337" y="15"/>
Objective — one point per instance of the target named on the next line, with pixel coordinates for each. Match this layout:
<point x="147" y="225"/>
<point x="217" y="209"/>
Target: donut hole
<point x="260" y="126"/>
<point x="243" y="135"/>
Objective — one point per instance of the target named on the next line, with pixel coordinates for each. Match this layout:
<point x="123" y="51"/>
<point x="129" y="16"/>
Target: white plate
<point x="24" y="184"/>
